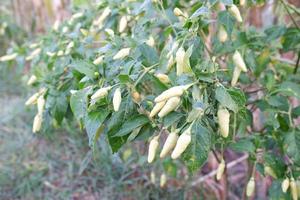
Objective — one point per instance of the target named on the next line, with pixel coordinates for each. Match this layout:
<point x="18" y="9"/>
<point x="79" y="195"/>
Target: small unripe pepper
<point x="41" y="104"/>
<point x="242" y="2"/>
<point x="158" y="106"/>
<point x="76" y="15"/>
<point x="239" y="61"/>
<point x="270" y="171"/>
<point x="178" y="12"/>
<point x="235" y="77"/>
<point x="222" y="35"/>
<point x="65" y="29"/>
<point x="152" y="177"/>
<point x="171" y="105"/>
<point x="117" y="99"/>
<point x="84" y="32"/>
<point x="32" y="100"/>
<point x="70" y="45"/>
<point x="8" y="57"/>
<point x="182" y="62"/>
<point x="170" y="63"/>
<point x="285" y="185"/>
<point x="37" y="123"/>
<point x="34" y="45"/>
<point x="171" y="92"/>
<point x="250" y="187"/>
<point x="150" y="41"/>
<point x="56" y="25"/>
<point x="103" y="16"/>
<point x="220" y="170"/>
<point x="163" y="78"/>
<point x="163" y="180"/>
<point x="223" y="120"/>
<point x="102" y="92"/>
<point x="110" y="32"/>
<point x="50" y="54"/>
<point x="69" y="48"/>
<point x="233" y="9"/>
<point x="182" y="143"/>
<point x="98" y="60"/>
<point x="153" y="148"/>
<point x="32" y="80"/>
<point x="123" y="24"/>
<point x="136" y="97"/>
<point x="294" y="191"/>
<point x="35" y="53"/>
<point x="60" y="53"/>
<point x="169" y="144"/>
<point x="122" y="53"/>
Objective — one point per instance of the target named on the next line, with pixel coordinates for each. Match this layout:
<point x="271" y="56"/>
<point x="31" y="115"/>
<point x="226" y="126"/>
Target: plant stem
<point x="214" y="172"/>
<point x="234" y="126"/>
<point x="287" y="10"/>
<point x="297" y="63"/>
<point x="216" y="156"/>
<point x="166" y="17"/>
<point x="146" y="70"/>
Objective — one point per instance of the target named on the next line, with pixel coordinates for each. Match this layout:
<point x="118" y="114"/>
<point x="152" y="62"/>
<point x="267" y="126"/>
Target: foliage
<point x="66" y="67"/>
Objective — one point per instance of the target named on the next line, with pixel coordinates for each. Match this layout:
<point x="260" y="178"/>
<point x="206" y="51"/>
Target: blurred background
<point x="61" y="165"/>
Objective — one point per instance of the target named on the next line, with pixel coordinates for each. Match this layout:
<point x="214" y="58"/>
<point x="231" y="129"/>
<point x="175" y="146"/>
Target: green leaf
<point x="291" y="39"/>
<point x="262" y="62"/>
<point x="131" y="124"/>
<point x="198" y="49"/>
<point x="134" y="134"/>
<point x="276" y="163"/>
<point x="124" y="78"/>
<point x="85" y="162"/>
<point x="116" y="120"/>
<point x="238" y="96"/>
<point x="77" y="3"/>
<point x="212" y="2"/>
<point x="58" y="103"/>
<point x="205" y="77"/>
<point x="154" y="83"/>
<point x="243" y="145"/>
<point x="170" y="167"/>
<point x="171" y="119"/>
<point x="93" y="122"/>
<point x="200" y="11"/>
<point x="270" y="116"/>
<point x="197" y="152"/>
<point x="290" y="89"/>
<point x="227" y="2"/>
<point x="145" y="132"/>
<point x="149" y="55"/>
<point x="274" y="32"/>
<point x="79" y="103"/>
<point x="296" y="112"/>
<point x="84" y="67"/>
<point x="226" y="20"/>
<point x="292" y="143"/>
<point x="225" y="99"/>
<point x="275" y="191"/>
<point x="278" y="101"/>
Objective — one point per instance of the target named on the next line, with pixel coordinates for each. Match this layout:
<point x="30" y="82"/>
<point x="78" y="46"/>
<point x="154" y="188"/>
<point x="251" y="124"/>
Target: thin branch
<point x="283" y="60"/>
<point x="292" y="7"/>
<point x="164" y="14"/>
<point x="202" y="34"/>
<point x="216" y="156"/>
<point x="254" y="91"/>
<point x="214" y="172"/>
<point x="297" y="63"/>
<point x="287" y="10"/>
